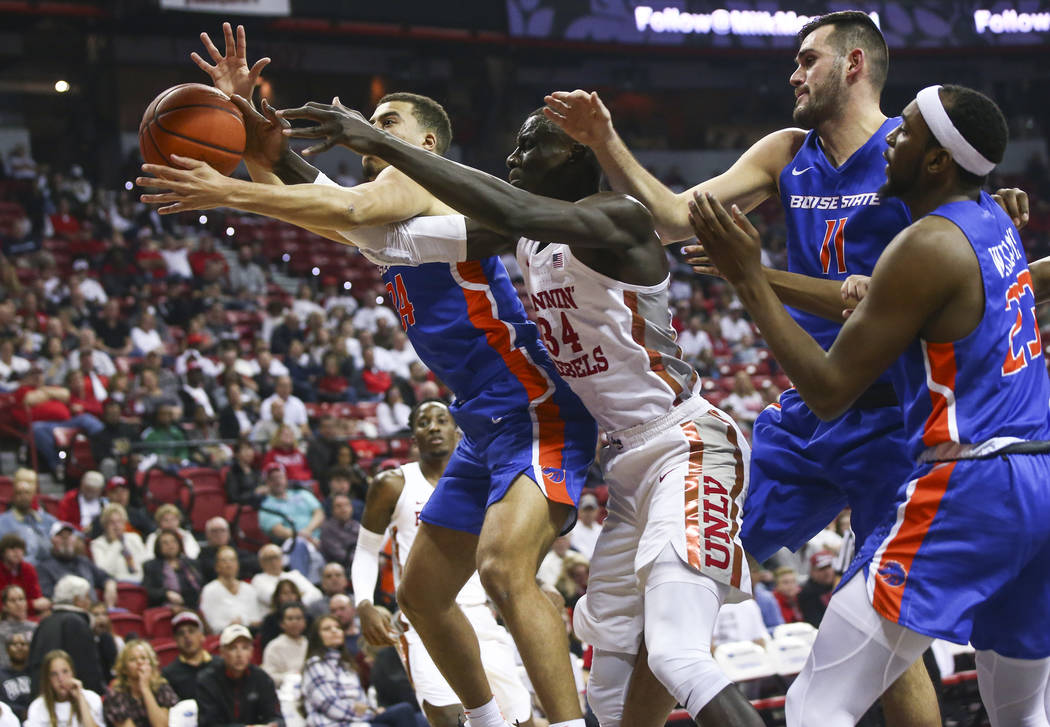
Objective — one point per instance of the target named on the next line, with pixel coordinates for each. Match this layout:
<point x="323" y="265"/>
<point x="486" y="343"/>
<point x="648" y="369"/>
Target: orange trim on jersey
<point x="692" y="493"/>
<point x="402" y="651"/>
<point x="550" y="424"/>
<point x="899" y="553"/>
<point x="940" y="358"/>
<point x="734" y="494"/>
<point x="630" y="299"/>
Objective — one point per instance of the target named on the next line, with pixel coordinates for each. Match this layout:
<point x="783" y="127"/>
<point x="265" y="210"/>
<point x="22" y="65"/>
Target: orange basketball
<point x="196" y="121"/>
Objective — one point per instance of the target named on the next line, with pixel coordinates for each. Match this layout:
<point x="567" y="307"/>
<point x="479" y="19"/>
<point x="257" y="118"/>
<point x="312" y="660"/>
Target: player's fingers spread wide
<point x="231" y="44"/>
<point x="210" y="47"/>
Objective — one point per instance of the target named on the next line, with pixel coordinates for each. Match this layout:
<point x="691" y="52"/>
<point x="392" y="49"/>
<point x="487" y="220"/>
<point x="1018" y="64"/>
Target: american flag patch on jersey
<point x="559" y="260"/>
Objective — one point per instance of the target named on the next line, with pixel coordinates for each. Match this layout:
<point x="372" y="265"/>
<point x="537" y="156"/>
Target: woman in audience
<point x="15" y="570"/>
<point x="168" y="517"/>
<point x="14" y="618"/>
<point x="140" y="696"/>
<point x="228" y="600"/>
<point x="53" y="362"/>
<point x="286" y="592"/>
<point x="118" y="551"/>
<point x="332" y="692"/>
<point x="286" y="654"/>
<point x="235" y="420"/>
<point x="171" y="579"/>
<point x="63" y="700"/>
<point x="392" y="413"/>
<point x="332" y="385"/>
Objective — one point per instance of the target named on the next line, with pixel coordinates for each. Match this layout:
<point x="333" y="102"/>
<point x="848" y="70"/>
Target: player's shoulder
<point x="388" y="483"/>
<point x="932" y="244"/>
<point x="781" y="144"/>
<point x="624" y="208"/>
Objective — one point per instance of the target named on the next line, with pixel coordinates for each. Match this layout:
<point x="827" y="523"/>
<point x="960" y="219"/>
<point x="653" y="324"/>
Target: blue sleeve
<point x="267" y="520"/>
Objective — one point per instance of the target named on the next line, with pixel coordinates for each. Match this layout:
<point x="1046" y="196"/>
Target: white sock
<point x="570" y="723"/>
<point x="487" y="715"/>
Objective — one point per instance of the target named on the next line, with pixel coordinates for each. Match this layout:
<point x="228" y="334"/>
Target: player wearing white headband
<point x="964" y="555"/>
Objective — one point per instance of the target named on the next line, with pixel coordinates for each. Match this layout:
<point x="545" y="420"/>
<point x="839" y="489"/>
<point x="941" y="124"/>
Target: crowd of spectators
<point x="166" y="351"/>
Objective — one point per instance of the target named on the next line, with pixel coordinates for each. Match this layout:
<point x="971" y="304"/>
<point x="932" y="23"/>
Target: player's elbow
<point x="825" y="401"/>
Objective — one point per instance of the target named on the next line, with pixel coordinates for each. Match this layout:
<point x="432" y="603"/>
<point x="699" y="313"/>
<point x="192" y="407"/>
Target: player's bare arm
<point x="750" y="181"/>
<point x="606" y="220"/>
<point x="820" y="296"/>
<point x="881" y="327"/>
<point x="380" y="502"/>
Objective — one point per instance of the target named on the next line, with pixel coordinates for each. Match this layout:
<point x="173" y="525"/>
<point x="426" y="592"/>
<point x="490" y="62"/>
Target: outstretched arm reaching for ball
<point x="750" y="181"/>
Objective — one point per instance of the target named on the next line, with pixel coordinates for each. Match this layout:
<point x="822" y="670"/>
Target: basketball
<point x="196" y="121"/>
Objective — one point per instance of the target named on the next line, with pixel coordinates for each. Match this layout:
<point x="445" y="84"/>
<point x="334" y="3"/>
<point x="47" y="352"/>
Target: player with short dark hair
<point x="963" y="554"/>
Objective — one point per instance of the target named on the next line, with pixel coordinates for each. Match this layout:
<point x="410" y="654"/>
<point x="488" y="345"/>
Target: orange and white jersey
<point x="404" y="524"/>
<point x="612" y="342"/>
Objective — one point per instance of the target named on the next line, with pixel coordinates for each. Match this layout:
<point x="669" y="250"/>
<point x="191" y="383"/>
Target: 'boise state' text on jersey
<point x="990" y="387"/>
<point x="837" y="225"/>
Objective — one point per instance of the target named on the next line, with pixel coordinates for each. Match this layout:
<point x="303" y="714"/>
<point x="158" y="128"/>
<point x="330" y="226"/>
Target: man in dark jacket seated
<point x="192" y="660"/>
<point x="234" y="691"/>
<point x="69" y="628"/>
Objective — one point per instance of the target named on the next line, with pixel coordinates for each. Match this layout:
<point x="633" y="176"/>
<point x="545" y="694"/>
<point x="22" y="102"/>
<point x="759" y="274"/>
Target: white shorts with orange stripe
<point x="680" y="480"/>
<point x="497" y="656"/>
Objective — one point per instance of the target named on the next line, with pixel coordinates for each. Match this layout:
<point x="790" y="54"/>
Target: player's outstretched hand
<point x="1014" y="202"/>
<point x="696" y="256"/>
<point x="581" y="115"/>
<point x="731" y="242"/>
<point x="334" y="123"/>
<point x="264" y="143"/>
<point x="191" y="185"/>
<point x="230" y="74"/>
<point x="375" y="626"/>
<point x="853" y="290"/>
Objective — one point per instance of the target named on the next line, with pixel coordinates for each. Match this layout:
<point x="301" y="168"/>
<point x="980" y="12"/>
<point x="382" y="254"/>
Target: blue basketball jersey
<point x="836" y="224"/>
<point x="466" y="323"/>
<point x="992" y="383"/>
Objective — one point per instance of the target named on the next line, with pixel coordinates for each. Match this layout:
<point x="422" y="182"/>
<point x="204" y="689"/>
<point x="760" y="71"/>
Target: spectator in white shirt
<point x="145" y="337"/>
<point x="740" y="622"/>
<point x="745" y="402"/>
<point x="228" y="600"/>
<point x="118" y="551"/>
<point x="584" y="535"/>
<point x="12" y="367"/>
<point x="286" y="654"/>
<point x="694" y="340"/>
<point x="392" y="413"/>
<point x="168" y="517"/>
<point x="366" y="317"/>
<point x="734" y="326"/>
<point x="294" y="409"/>
<point x="90" y="288"/>
<point x="100" y="360"/>
<point x="194" y="343"/>
<point x="176" y="257"/>
<point x="304" y="304"/>
<point x="271" y="561"/>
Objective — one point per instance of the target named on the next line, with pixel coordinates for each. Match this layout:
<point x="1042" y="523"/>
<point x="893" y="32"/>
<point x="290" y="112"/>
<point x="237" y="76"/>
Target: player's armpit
<point x="751" y="180"/>
<point x="1040" y="270"/>
<point x="483" y="242"/>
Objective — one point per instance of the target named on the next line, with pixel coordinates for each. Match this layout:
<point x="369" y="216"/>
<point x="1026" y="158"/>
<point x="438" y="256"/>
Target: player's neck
<point x="433" y="468"/>
<point x="928" y="198"/>
<point x="841" y="136"/>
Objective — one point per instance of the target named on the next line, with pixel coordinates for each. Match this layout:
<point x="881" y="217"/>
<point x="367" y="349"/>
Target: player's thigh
<point x="440" y="561"/>
<point x="520" y="528"/>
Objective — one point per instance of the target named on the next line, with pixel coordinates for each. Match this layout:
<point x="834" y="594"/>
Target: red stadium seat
<point x="208" y="501"/>
<point x="126" y="624"/>
<point x="167" y="651"/>
<point x="160" y="487"/>
<point x="157" y="622"/>
<point x="202" y="476"/>
<point x="132" y="597"/>
<point x="7" y="489"/>
<point x="211" y="643"/>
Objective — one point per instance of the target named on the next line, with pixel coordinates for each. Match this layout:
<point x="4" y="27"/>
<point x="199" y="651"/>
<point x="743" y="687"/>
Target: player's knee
<point x="502" y="577"/>
<point x="606" y="700"/>
<point x="802" y="707"/>
<point x="410" y="600"/>
<point x="689" y="673"/>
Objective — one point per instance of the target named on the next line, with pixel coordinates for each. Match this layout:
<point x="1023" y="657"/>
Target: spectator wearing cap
<point x="229" y="600"/>
<point x="165" y="439"/>
<point x="340" y="531"/>
<point x="169" y="517"/>
<point x="117" y="551"/>
<point x="12" y="367"/>
<point x="170" y="578"/>
<point x="84" y="504"/>
<point x="64" y="561"/>
<point x="235" y="691"/>
<point x="584" y="534"/>
<point x="182" y="673"/>
<point x="294" y="409"/>
<point x="43" y="409"/>
<point x="195" y="342"/>
<point x="30" y="523"/>
<point x="15" y="571"/>
<point x="814" y="596"/>
<point x="69" y="628"/>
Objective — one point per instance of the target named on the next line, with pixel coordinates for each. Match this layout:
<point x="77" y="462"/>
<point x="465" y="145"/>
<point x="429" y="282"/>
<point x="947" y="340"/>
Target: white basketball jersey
<point x="404" y="524"/>
<point x="612" y="342"/>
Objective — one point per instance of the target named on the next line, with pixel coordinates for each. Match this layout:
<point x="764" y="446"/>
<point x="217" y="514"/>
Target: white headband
<point x="932" y="110"/>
